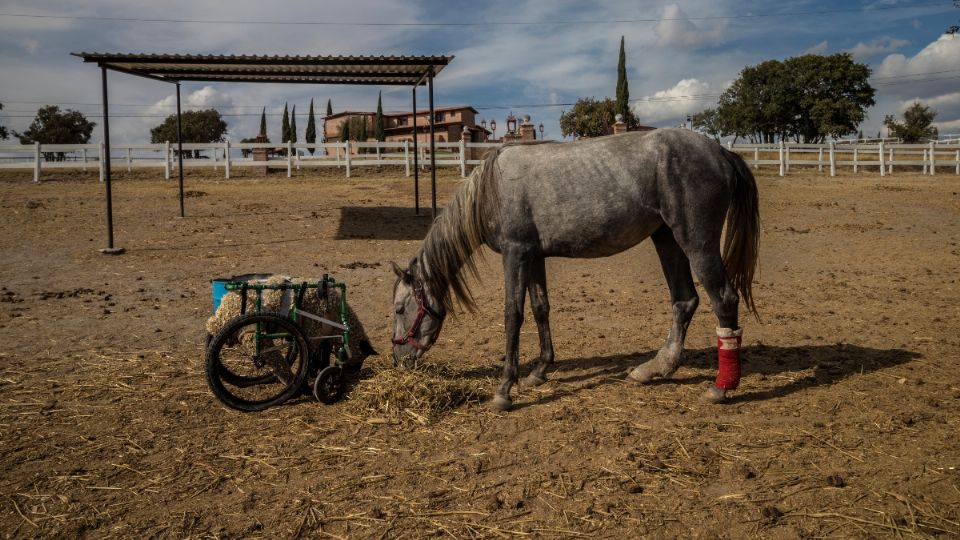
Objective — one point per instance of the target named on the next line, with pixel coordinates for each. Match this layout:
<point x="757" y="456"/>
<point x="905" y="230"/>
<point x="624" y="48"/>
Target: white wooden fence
<point x="883" y="158"/>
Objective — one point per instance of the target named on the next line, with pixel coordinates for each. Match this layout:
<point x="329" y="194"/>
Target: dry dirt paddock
<point x="845" y="424"/>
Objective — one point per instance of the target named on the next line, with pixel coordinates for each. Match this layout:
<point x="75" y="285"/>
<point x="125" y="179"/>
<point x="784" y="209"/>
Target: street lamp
<point x="511" y="123"/>
<point x="483" y="123"/>
<point x="493" y="128"/>
<point x="541" y="130"/>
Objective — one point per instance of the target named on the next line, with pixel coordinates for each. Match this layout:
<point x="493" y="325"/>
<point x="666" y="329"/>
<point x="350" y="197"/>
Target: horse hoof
<point x="500" y="403"/>
<point x="715" y="395"/>
<point x="640" y="375"/>
<point x="533" y="380"/>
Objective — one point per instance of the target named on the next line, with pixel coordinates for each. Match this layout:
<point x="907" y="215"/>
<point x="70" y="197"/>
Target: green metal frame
<point x="296" y="288"/>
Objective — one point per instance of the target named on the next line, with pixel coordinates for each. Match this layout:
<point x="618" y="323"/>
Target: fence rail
<point x="879" y="157"/>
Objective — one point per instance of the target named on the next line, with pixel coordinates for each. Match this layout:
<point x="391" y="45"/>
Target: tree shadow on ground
<point x="383" y="223"/>
<point x="830" y="364"/>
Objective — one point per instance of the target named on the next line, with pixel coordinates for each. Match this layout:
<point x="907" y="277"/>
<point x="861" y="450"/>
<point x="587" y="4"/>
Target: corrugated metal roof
<point x="380" y="70"/>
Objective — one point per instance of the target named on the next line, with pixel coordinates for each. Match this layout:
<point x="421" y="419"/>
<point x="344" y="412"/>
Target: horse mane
<point x="446" y="257"/>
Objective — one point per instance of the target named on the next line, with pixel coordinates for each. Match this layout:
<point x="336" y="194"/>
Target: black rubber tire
<point x="279" y="386"/>
<point x="329" y="386"/>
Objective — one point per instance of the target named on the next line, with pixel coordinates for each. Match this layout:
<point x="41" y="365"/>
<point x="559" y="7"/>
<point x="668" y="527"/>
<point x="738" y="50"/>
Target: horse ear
<point x="401" y="273"/>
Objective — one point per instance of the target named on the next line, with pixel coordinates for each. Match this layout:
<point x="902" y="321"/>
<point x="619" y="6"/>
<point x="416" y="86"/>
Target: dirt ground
<point x="845" y="424"/>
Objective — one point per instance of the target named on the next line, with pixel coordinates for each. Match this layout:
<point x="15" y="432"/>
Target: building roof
<point x="379" y="70"/>
<point x="392" y="114"/>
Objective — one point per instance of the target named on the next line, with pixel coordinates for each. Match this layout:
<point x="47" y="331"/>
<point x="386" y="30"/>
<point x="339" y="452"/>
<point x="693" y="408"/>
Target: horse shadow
<point x="382" y="223"/>
<point x="830" y="364"/>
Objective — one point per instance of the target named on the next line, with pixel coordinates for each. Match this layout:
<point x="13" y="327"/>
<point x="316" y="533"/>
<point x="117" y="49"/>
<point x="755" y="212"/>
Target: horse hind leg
<point x="709" y="267"/>
<point x="540" y="306"/>
<point x="684" y="299"/>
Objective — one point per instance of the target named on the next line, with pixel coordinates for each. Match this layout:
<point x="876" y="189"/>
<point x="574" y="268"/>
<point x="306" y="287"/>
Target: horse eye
<point x="398" y="309"/>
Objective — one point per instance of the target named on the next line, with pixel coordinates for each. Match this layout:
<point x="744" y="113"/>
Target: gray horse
<point x="591" y="198"/>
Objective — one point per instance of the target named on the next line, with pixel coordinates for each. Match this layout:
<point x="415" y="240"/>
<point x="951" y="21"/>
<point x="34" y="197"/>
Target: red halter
<point x="422" y="311"/>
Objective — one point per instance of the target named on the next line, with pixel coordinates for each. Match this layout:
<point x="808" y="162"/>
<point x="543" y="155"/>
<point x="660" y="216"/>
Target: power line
<point x="467" y="24"/>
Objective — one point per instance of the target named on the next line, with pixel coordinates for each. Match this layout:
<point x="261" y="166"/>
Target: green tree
<point x="3" y="129"/>
<point x="311" y="135"/>
<point x="293" y="124"/>
<point x="805" y="98"/>
<point x="378" y="132"/>
<point x="196" y="126"/>
<point x="623" y="91"/>
<point x="708" y="122"/>
<point x="285" y="128"/>
<point x="345" y="130"/>
<point x="329" y="108"/>
<point x="589" y="117"/>
<point x="917" y="125"/>
<point x="263" y="124"/>
<point x="51" y="126"/>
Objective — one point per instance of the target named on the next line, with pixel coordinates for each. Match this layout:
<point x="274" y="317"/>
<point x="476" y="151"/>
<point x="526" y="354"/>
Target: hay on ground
<point x="422" y="395"/>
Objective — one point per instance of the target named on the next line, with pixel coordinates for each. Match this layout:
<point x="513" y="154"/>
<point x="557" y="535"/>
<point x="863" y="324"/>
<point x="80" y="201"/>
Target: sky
<point x="517" y="56"/>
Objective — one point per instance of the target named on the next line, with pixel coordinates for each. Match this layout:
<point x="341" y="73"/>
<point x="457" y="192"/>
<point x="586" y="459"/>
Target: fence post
<point x="36" y="163"/>
<point x="226" y="158"/>
<point x="756" y="158"/>
<point x="463" y="159"/>
<point x="101" y="161"/>
<point x="933" y="159"/>
<point x="820" y="160"/>
<point x="166" y="160"/>
<point x="924" y="161"/>
<point x="296" y="156"/>
<point x="856" y="158"/>
<point x="786" y="161"/>
<point x="84" y="151"/>
<point x="289" y="160"/>
<point x="833" y="160"/>
<point x="890" y="161"/>
<point x="406" y="157"/>
<point x="883" y="165"/>
<point x="346" y="151"/>
<point x="782" y="171"/>
<point x="215" y="158"/>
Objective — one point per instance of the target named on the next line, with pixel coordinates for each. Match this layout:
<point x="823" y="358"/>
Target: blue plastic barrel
<point x="219" y="285"/>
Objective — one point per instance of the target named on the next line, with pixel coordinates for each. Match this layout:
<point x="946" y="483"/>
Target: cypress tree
<point x="263" y="124"/>
<point x="285" y="129"/>
<point x="345" y="131"/>
<point x="293" y="124"/>
<point x="623" y="90"/>
<point x="311" y="134"/>
<point x="329" y="108"/>
<point x="378" y="127"/>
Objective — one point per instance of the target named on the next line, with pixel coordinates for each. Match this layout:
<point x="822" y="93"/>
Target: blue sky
<point x="513" y="56"/>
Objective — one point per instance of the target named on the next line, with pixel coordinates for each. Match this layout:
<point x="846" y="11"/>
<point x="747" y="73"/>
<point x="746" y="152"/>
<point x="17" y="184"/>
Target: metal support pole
<point x="406" y="157"/>
<point x="36" y="162"/>
<point x="180" y="150"/>
<point x="106" y="165"/>
<point x="416" y="157"/>
<point x="346" y="151"/>
<point x="100" y="162"/>
<point x="433" y="148"/>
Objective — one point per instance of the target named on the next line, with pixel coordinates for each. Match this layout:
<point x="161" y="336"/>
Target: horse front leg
<point x="516" y="274"/>
<point x="540" y="306"/>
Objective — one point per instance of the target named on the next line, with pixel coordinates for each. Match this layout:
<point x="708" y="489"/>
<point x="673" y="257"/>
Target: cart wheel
<point x="328" y="388"/>
<point x="256" y="361"/>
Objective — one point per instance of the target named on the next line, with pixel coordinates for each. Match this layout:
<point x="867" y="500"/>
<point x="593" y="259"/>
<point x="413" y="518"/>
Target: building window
<point x="439" y="117"/>
<point x="402" y="121"/>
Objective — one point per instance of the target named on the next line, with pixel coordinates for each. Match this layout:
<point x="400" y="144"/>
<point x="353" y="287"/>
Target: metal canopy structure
<point x="412" y="71"/>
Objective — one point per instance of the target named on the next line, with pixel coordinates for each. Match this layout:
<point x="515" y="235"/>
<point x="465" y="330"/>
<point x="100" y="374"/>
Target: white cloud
<point x="676" y="30"/>
<point x="819" y="48"/>
<point x="861" y="51"/>
<point x="927" y="69"/>
<point x="672" y="103"/>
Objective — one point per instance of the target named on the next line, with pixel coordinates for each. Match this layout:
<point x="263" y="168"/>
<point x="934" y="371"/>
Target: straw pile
<point x="421" y="395"/>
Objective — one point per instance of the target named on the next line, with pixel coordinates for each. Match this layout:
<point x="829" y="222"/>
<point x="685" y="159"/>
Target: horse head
<point x="419" y="314"/>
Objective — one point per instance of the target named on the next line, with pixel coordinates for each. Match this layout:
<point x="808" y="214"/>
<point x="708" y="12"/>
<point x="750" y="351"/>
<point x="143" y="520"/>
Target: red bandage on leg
<point x="728" y="352"/>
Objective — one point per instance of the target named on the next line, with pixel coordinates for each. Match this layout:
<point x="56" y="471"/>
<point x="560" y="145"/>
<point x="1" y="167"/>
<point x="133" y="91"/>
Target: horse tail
<point x="741" y="244"/>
